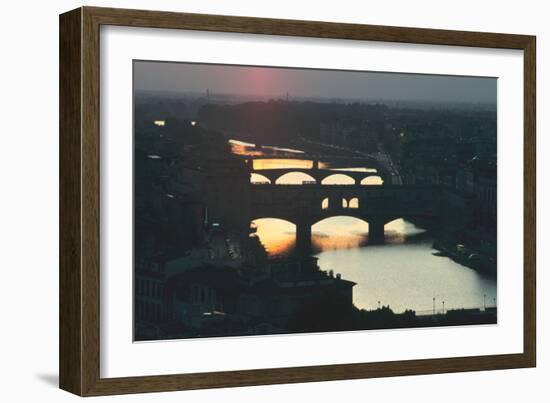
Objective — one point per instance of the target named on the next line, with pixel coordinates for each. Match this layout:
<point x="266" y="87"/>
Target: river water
<point x="403" y="273"/>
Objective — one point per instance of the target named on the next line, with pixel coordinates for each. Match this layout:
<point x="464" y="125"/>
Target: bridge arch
<point x="339" y="232"/>
<point x="305" y="205"/>
<point x="259" y="179"/>
<point x="372" y="227"/>
<point x="279" y="219"/>
<point x="340" y="201"/>
<point x="338" y="179"/>
<point x="294" y="178"/>
<point x="348" y="217"/>
<point x="277" y="235"/>
<point x="394" y="221"/>
<point x="372" y="180"/>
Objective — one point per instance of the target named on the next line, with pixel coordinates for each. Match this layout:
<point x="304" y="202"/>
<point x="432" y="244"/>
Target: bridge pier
<point x="303" y="238"/>
<point x="376" y="232"/>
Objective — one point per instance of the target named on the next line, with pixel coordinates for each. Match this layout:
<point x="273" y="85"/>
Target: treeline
<point x="281" y="122"/>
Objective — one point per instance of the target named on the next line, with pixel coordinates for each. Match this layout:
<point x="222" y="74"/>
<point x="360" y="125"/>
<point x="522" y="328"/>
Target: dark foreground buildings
<point x="199" y="269"/>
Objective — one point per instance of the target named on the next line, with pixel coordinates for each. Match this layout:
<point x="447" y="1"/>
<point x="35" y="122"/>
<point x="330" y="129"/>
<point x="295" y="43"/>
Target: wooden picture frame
<point x="80" y="187"/>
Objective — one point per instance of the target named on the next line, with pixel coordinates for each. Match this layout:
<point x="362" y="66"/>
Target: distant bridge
<point x="340" y="160"/>
<point x="305" y="205"/>
<point x="317" y="174"/>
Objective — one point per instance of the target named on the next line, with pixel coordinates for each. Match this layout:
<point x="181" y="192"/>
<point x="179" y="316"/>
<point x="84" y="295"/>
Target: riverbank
<point x="477" y="254"/>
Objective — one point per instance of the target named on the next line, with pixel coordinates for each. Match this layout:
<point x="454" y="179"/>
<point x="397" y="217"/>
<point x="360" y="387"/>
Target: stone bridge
<point x="305" y="205"/>
<point x="317" y="174"/>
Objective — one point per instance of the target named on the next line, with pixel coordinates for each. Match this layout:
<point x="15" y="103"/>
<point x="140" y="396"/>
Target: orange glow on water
<point x="340" y="232"/>
<point x="277" y="236"/>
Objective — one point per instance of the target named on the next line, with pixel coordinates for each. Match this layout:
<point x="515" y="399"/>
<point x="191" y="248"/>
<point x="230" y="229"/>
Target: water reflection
<point x="400" y="231"/>
<point x="403" y="273"/>
<point x="277" y="236"/>
<point x="340" y="232"/>
<point x="408" y="276"/>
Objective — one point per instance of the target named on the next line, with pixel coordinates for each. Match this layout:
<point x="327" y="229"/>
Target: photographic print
<point x="273" y="200"/>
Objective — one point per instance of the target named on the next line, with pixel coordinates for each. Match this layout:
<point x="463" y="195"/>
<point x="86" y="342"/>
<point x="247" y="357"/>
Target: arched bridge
<point x="377" y="205"/>
<point x="317" y="170"/>
<point x="317" y="174"/>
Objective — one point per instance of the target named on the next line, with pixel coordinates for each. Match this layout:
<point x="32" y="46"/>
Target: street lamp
<point x="434" y="305"/>
<point x="443" y="307"/>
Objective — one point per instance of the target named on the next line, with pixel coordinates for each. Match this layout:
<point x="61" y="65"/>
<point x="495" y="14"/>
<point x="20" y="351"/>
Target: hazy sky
<point x="276" y="82"/>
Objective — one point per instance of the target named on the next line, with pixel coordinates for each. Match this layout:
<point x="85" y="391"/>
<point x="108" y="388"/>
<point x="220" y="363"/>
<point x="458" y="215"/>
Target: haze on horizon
<point x="311" y="83"/>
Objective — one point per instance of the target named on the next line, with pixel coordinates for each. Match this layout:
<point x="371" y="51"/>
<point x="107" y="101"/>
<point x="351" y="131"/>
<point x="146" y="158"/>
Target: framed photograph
<point x="249" y="201"/>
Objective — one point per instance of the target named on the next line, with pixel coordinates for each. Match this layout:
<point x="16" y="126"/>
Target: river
<point x="403" y="273"/>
